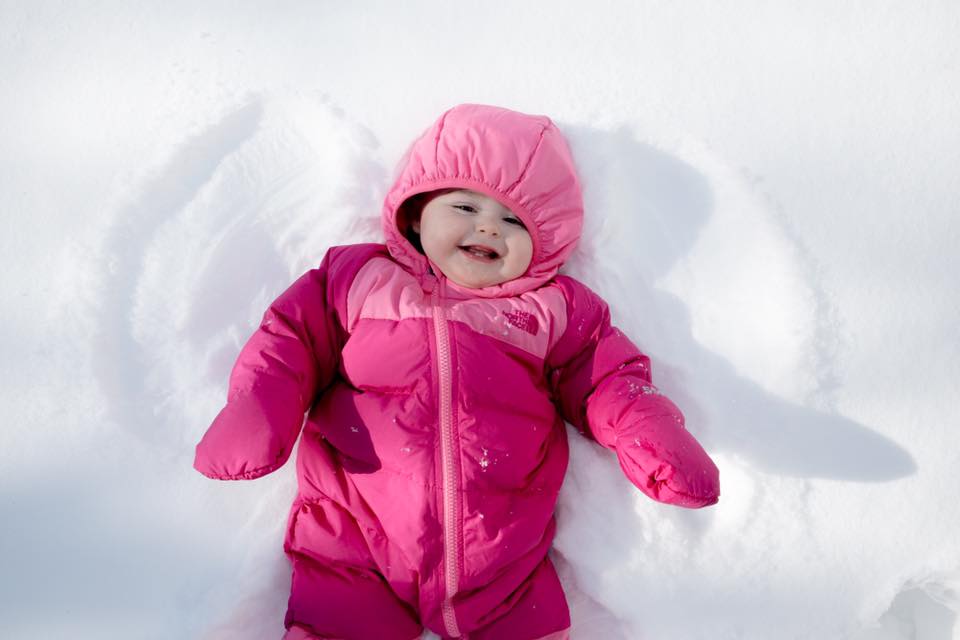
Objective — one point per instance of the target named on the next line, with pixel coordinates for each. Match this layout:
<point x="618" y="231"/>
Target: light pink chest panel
<point x="533" y="321"/>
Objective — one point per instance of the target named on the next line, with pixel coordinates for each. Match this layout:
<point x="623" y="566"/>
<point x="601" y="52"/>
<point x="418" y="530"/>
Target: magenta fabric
<point x="434" y="446"/>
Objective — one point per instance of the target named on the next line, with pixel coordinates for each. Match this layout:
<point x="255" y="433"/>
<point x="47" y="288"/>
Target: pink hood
<point x="521" y="160"/>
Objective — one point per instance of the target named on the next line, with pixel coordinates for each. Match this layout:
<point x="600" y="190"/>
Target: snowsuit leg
<point x="538" y="611"/>
<point x="337" y="590"/>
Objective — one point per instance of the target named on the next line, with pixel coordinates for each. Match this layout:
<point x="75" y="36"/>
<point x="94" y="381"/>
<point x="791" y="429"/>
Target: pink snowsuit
<point x="434" y="445"/>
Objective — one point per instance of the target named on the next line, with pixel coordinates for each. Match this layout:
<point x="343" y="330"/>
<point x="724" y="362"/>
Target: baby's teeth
<point x="480" y="252"/>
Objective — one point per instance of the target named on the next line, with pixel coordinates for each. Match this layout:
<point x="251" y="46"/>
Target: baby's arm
<point x="603" y="387"/>
<point x="285" y="363"/>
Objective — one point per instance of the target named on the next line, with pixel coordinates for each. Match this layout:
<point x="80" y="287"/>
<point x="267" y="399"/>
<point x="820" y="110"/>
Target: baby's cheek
<point x="521" y="258"/>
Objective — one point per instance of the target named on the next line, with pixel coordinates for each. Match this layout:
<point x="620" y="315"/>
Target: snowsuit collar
<point x="520" y="160"/>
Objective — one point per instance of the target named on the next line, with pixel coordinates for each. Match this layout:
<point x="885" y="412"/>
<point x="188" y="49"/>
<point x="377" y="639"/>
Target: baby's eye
<point x="515" y="221"/>
<point x="465" y="207"/>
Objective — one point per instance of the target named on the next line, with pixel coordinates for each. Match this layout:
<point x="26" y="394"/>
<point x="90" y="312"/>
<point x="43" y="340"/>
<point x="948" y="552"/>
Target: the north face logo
<point x="523" y="320"/>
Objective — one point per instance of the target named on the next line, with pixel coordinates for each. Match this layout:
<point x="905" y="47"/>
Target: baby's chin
<point x="475" y="283"/>
<point x="465" y="273"/>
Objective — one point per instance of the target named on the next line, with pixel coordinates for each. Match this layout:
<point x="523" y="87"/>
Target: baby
<point x="436" y="372"/>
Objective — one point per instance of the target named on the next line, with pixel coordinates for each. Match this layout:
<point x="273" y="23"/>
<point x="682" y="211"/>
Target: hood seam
<point x="436" y="140"/>
<point x="523" y="174"/>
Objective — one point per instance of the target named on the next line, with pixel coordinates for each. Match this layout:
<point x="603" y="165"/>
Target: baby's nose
<point x="489" y="228"/>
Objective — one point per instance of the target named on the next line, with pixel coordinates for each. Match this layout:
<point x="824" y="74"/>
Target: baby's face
<point x="473" y="239"/>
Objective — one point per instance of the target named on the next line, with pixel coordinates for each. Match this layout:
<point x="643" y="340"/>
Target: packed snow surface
<point x="772" y="212"/>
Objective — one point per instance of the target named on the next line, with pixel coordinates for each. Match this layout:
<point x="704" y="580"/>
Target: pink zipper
<point x="451" y="555"/>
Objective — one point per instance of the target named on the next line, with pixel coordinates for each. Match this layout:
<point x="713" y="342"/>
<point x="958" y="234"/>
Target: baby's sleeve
<point x="291" y="358"/>
<point x="602" y="385"/>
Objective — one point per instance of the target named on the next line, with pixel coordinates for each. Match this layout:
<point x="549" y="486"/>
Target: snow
<point x="772" y="213"/>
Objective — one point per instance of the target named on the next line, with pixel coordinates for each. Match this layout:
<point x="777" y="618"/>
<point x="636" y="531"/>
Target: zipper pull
<point x="442" y="286"/>
<point x="434" y="282"/>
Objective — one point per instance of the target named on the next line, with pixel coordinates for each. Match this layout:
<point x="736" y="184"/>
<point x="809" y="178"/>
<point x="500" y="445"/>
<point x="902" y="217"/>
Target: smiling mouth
<point x="479" y="251"/>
